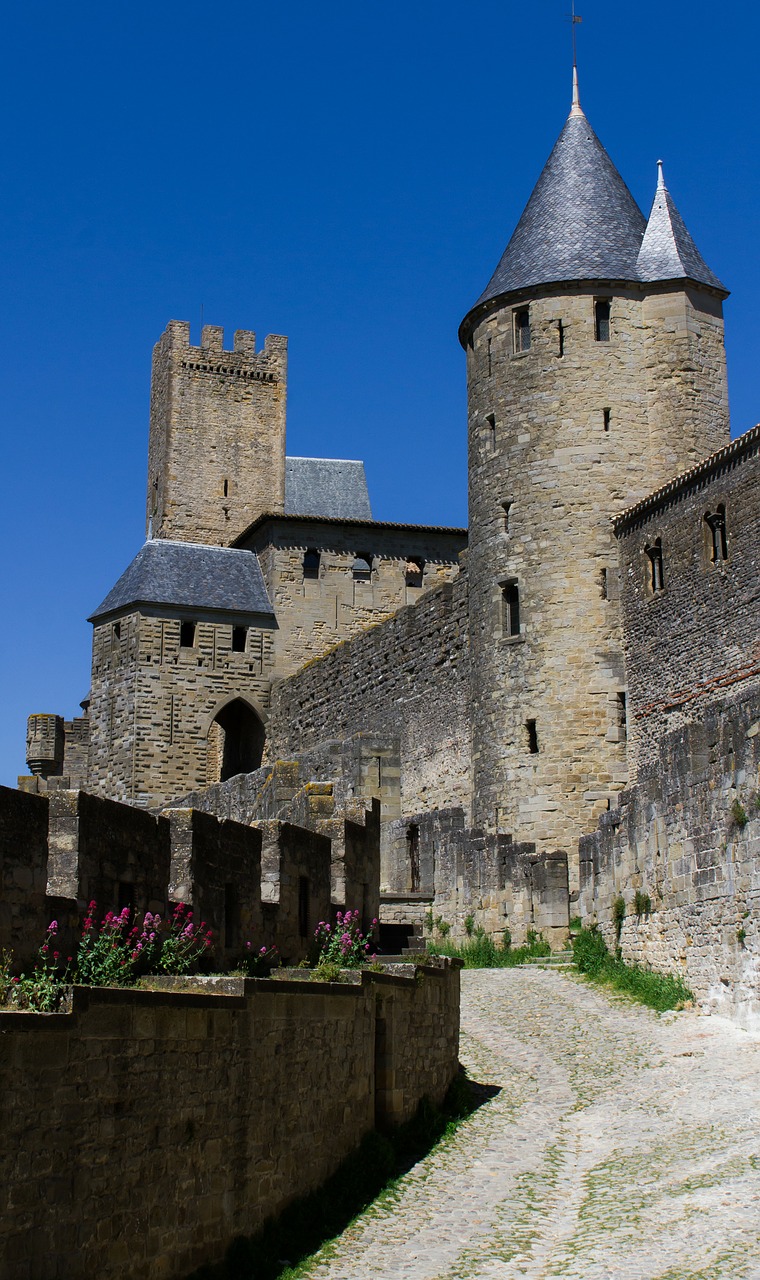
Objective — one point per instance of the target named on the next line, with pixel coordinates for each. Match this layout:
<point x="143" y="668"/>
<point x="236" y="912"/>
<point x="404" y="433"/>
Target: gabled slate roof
<point x="667" y="250"/>
<point x="333" y="487"/>
<point x="188" y="575"/>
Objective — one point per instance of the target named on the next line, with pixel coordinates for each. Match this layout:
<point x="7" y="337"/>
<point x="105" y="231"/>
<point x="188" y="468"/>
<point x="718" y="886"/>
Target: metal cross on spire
<point x="574" y="20"/>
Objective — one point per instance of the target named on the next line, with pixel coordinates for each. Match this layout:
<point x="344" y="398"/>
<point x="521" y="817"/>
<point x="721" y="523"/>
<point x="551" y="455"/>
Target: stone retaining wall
<point x="145" y="1130"/>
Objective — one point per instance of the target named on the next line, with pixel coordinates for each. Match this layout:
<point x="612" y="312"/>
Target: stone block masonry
<point x="405" y="679"/>
<point x="686" y="838"/>
<point x="145" y="1130"/>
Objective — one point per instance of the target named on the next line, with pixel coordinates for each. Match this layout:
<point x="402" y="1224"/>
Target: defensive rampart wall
<point x="687" y="837"/>
<point x="273" y="881"/>
<point x="406" y="679"/>
<point x="145" y="1130"/>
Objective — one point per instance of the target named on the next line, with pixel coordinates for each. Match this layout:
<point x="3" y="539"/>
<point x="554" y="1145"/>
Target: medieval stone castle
<point x="502" y="690"/>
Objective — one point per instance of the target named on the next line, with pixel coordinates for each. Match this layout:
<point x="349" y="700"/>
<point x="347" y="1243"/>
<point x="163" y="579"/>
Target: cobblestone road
<point x="622" y="1146"/>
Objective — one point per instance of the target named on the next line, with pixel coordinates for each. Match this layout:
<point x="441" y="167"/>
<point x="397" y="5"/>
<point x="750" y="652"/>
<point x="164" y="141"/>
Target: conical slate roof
<point x="581" y="223"/>
<point x="667" y="250"/>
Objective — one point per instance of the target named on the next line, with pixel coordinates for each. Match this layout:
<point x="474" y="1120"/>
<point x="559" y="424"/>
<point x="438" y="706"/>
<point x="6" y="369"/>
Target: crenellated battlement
<point x="176" y="338"/>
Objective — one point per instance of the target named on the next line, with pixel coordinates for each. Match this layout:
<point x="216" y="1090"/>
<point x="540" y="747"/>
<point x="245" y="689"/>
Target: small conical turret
<point x="667" y="250"/>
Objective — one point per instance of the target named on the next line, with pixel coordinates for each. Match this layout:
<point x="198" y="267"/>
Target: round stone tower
<point x="596" y="372"/>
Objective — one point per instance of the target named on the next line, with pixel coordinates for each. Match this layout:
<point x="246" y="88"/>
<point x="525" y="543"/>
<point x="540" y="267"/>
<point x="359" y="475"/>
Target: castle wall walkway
<point x="619" y="1148"/>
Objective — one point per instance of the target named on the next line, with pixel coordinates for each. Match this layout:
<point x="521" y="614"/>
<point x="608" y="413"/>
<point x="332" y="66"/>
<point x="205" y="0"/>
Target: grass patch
<point x="481" y="952"/>
<point x="285" y="1246"/>
<point x="659" y="991"/>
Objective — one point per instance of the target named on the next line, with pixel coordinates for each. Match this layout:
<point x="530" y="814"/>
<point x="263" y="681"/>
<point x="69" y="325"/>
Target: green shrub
<point x="469" y="925"/>
<point x="659" y="991"/>
<point x="739" y="814"/>
<point x="642" y="903"/>
<point x="482" y="952"/>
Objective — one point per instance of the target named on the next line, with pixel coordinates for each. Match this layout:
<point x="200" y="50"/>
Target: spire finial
<point x="574" y="20"/>
<point x="660" y="177"/>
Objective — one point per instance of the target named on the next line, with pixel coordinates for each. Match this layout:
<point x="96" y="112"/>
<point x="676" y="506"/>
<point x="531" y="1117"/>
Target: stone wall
<point x="696" y="638"/>
<point x="145" y="1130"/>
<point x="406" y="680"/>
<point x="687" y="836"/>
<point x="315" y="613"/>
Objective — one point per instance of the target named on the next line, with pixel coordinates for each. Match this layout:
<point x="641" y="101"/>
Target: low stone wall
<point x="687" y="836"/>
<point x="143" y="1131"/>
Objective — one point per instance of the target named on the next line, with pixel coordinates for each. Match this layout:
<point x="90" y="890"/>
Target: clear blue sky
<point x="347" y="174"/>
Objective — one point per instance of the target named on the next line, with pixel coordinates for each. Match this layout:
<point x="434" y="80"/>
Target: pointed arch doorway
<point x="236" y="740"/>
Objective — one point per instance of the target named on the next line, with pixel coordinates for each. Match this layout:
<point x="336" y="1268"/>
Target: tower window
<point x="602" y="320"/>
<point x="311" y="564"/>
<point x="506" y="508"/>
<point x="226" y="488"/>
<point x="522" y="329"/>
<point x="510" y="605"/>
<point x="532" y="732"/>
<point x="362" y="567"/>
<point x="488" y="353"/>
<point x="560" y="338"/>
<point x="239" y="635"/>
<point x="491" y="431"/>
<point x="413" y="849"/>
<point x="607" y="416"/>
<point x="187" y="635"/>
<point x="622" y="715"/>
<point x="116" y="632"/>
<point x="656" y="578"/>
<point x="718" y="543"/>
<point x="415" y="569"/>
<point x="603" y="587"/>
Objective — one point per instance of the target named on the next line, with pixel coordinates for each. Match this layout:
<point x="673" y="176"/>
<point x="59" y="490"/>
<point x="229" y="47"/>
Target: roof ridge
<point x="741" y="444"/>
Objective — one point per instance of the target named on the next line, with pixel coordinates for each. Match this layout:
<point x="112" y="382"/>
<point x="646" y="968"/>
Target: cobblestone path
<point x="622" y="1146"/>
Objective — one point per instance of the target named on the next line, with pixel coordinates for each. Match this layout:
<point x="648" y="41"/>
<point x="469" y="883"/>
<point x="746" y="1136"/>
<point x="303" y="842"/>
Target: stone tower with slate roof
<point x="596" y="371"/>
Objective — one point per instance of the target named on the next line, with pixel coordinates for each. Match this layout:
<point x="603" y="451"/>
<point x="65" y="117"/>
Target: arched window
<point x="362" y="567"/>
<point x="656" y="574"/>
<point x="718" y="543"/>
<point x="311" y="564"/>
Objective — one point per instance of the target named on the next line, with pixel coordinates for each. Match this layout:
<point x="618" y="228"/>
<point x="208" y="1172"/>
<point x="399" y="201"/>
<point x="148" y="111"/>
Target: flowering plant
<point x="258" y="963"/>
<point x="44" y="990"/>
<point x="343" y="943"/>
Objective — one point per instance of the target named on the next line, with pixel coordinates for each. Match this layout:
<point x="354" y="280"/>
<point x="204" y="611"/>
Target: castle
<point x="500" y="688"/>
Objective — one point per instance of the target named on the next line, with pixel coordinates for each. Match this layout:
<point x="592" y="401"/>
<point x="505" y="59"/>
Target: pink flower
<point x="56" y="955"/>
<point x="53" y="926"/>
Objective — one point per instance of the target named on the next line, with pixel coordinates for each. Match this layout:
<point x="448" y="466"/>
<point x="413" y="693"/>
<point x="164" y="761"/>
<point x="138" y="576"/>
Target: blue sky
<point x="347" y="174"/>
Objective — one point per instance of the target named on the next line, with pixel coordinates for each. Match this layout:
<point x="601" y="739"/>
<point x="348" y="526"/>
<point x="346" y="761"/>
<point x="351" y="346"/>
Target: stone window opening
<point x="187" y="635"/>
<point x="303" y="907"/>
<point x="362" y="567"/>
<point x="510" y="608"/>
<point x="603" y="587"/>
<point x="656" y="574"/>
<point x="491" y="425"/>
<point x="226" y="488"/>
<point x="560" y="338"/>
<point x="506" y="508"/>
<point x="532" y="732"/>
<point x="606" y="415"/>
<point x="239" y="637"/>
<point x="311" y="562"/>
<point x="488" y="354"/>
<point x="116" y="631"/>
<point x="522" y="329"/>
<point x="602" y="320"/>
<point x="415" y="569"/>
<point x="236" y="741"/>
<point x="413" y="851"/>
<point x="622" y="715"/>
<point x="718" y="542"/>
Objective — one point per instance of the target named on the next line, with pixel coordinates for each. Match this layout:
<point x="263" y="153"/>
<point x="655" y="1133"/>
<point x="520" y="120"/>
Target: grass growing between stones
<point x="481" y="952"/>
<point x="287" y="1245"/>
<point x="660" y="991"/>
